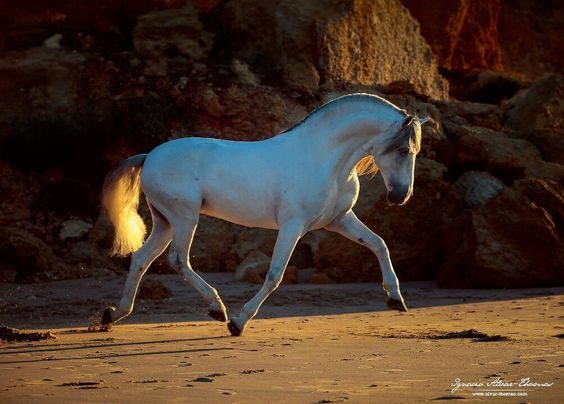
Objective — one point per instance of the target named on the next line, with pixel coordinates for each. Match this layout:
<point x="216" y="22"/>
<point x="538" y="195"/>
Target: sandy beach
<point x="309" y="344"/>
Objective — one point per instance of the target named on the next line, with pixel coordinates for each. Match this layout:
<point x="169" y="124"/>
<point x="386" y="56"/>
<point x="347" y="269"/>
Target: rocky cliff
<point x="85" y="86"/>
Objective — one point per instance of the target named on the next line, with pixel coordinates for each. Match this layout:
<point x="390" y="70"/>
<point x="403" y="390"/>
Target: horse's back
<point x="226" y="179"/>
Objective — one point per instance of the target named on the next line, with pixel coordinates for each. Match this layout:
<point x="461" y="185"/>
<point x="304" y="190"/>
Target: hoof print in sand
<point x="476" y="336"/>
<point x="208" y="378"/>
<point x="85" y="384"/>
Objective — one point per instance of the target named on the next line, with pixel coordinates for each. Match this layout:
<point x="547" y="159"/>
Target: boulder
<point x="244" y="74"/>
<point x="478" y="187"/>
<point x="341" y="260"/>
<point x="211" y="245"/>
<point x="319" y="278"/>
<point x="32" y="257"/>
<point x="301" y="76"/>
<point x="471" y="113"/>
<point x="93" y="258"/>
<point x="153" y="289"/>
<point x="509" y="242"/>
<point x="537" y="107"/>
<point x="250" y="242"/>
<point x="536" y="114"/>
<point x="162" y="35"/>
<point x="484" y="86"/>
<point x="74" y="229"/>
<point x="105" y="23"/>
<point x="243" y="112"/>
<point x="411" y="231"/>
<point x="550" y="142"/>
<point x="501" y="155"/>
<point x="255" y="267"/>
<point x="357" y="42"/>
<point x="53" y="42"/>
<point x="41" y="80"/>
<point x="21" y="189"/>
<point x="545" y="193"/>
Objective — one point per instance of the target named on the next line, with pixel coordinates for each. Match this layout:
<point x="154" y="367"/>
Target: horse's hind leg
<point x="183" y="235"/>
<point x="352" y="228"/>
<point x="157" y="242"/>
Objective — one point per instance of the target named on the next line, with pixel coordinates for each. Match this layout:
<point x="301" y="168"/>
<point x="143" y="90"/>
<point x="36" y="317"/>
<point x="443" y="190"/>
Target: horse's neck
<point x="342" y="136"/>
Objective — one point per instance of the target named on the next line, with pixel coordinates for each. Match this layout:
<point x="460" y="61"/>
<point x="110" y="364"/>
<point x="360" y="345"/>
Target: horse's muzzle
<point x="398" y="196"/>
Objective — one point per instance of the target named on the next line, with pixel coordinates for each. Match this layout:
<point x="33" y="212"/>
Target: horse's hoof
<point x="234" y="329"/>
<point x="395" y="304"/>
<point x="107" y="316"/>
<point x="218" y="315"/>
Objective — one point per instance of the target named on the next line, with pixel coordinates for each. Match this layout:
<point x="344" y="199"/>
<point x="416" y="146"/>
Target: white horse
<point x="303" y="179"/>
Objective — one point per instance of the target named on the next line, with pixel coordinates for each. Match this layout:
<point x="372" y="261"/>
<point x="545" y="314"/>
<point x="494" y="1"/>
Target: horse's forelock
<point x="409" y="135"/>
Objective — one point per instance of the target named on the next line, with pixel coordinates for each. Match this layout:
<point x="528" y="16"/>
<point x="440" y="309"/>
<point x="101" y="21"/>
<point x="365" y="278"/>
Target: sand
<point x="310" y="344"/>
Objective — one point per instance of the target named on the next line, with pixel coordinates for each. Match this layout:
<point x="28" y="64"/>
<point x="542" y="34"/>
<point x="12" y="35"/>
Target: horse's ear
<point x="423" y="120"/>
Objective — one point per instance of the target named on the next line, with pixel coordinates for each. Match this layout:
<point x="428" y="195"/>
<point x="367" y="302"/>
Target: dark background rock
<point x="511" y="241"/>
<point x="86" y="85"/>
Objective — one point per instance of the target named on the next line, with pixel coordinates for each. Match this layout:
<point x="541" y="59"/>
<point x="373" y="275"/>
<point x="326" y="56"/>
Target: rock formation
<point x="84" y="87"/>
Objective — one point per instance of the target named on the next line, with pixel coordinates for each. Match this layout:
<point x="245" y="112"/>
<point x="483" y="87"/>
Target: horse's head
<point x="396" y="159"/>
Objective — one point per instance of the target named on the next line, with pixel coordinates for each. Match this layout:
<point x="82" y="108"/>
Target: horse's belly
<point x="248" y="215"/>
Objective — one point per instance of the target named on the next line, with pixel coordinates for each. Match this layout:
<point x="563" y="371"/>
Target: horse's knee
<point x="174" y="260"/>
<point x="379" y="246"/>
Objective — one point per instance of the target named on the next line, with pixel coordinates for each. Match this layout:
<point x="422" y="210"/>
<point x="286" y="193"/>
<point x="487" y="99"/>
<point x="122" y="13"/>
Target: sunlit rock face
<point x="518" y="37"/>
<point x="356" y="42"/>
<point x="463" y="33"/>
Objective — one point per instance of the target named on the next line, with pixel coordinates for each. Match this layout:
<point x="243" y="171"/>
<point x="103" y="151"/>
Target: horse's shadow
<point x="82" y="346"/>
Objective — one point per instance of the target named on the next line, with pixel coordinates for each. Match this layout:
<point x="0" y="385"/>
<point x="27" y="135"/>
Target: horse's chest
<point x="334" y="201"/>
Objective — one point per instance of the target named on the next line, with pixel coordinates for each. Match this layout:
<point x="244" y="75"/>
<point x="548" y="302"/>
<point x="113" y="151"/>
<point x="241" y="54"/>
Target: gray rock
<point x="478" y="187"/>
<point x="253" y="268"/>
<point x="74" y="229"/>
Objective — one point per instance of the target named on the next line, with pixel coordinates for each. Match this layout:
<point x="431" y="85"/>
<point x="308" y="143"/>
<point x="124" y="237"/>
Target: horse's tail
<point x="120" y="198"/>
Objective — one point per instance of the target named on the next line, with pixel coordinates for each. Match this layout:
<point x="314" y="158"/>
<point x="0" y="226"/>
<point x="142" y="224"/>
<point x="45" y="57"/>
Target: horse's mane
<point x="366" y="165"/>
<point x="340" y="100"/>
<point x="408" y="134"/>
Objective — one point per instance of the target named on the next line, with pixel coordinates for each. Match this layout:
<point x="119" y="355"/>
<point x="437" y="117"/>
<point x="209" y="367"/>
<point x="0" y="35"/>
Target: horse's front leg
<point x="352" y="228"/>
<point x="287" y="239"/>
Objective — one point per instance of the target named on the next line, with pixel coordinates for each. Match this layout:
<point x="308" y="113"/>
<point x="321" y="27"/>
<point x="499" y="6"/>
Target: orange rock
<point x="320" y="278"/>
<point x="357" y="42"/>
